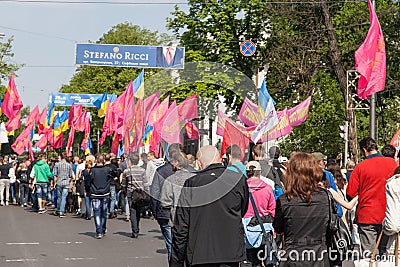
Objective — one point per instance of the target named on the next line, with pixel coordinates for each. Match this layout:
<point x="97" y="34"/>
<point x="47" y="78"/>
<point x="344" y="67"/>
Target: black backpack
<point x="24" y="177"/>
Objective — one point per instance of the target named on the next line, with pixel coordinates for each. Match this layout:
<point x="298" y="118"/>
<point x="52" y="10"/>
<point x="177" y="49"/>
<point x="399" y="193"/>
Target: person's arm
<point x="354" y="183"/>
<point x="167" y="195"/>
<point x="348" y="205"/>
<point x="278" y="222"/>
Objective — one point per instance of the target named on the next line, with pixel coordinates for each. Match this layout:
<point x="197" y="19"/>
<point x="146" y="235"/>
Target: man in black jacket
<point x="98" y="189"/>
<point x="208" y="228"/>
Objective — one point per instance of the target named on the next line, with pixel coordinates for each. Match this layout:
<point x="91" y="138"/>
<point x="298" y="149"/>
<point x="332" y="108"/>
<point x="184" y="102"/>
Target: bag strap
<point x="372" y="259"/>
<point x="330" y="206"/>
<point x="396" y="252"/>
<point x="253" y="204"/>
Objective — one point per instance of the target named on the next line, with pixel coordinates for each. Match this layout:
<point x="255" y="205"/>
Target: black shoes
<point x="134" y="235"/>
<point x="99" y="236"/>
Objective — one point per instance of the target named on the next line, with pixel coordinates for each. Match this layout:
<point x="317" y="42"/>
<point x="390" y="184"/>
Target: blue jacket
<point x="331" y="180"/>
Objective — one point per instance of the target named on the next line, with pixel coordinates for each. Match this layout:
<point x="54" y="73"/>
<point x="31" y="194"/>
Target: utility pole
<point x="372" y="107"/>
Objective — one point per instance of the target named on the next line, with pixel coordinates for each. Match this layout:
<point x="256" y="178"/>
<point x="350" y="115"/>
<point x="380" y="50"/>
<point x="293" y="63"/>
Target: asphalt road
<point x="31" y="239"/>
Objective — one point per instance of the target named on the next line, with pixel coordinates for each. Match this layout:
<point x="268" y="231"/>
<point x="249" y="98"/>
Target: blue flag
<point x="263" y="98"/>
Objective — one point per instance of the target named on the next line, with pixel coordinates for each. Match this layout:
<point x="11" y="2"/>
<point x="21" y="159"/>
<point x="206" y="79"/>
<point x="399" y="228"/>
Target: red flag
<point x="70" y="141"/>
<point x="191" y="130"/>
<point x="31" y="155"/>
<point x="56" y="141"/>
<point x="74" y="113"/>
<point x="33" y="116"/>
<point x="42" y="121"/>
<point x="87" y="134"/>
<point x="129" y="114"/>
<point x="370" y="59"/>
<point x="138" y="127"/>
<point x="12" y="102"/>
<point x="150" y="103"/>
<point x="42" y="143"/>
<point x="22" y="140"/>
<point x="115" y="144"/>
<point x="13" y="123"/>
<point x="156" y="114"/>
<point x="80" y="124"/>
<point x="232" y="135"/>
<point x="188" y="108"/>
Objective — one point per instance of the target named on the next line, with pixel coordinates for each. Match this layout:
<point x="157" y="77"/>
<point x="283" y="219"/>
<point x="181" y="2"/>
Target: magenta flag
<point x="159" y="112"/>
<point x="12" y="102"/>
<point x="14" y="123"/>
<point x="42" y="143"/>
<point x="151" y="103"/>
<point x="74" y="113"/>
<point x="33" y="116"/>
<point x="299" y="113"/>
<point x="188" y="108"/>
<point x="70" y="141"/>
<point x="249" y="113"/>
<point x="370" y="59"/>
<point x="191" y="130"/>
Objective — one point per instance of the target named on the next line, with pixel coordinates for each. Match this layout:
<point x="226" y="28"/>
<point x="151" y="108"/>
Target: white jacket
<point x="391" y="222"/>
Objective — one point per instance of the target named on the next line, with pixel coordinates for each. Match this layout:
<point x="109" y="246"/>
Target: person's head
<point x="133" y="159"/>
<point x="63" y="156"/>
<point x="258" y="151"/>
<point x="113" y="156"/>
<point x="191" y="160"/>
<point x="14" y="164"/>
<point x="350" y="165"/>
<point x="174" y="148"/>
<point x="100" y="159"/>
<point x="207" y="155"/>
<point x="334" y="168"/>
<point x="303" y="176"/>
<point x="91" y="158"/>
<point x="76" y="160"/>
<point x="107" y="157"/>
<point x="88" y="164"/>
<point x="144" y="157"/>
<point x="389" y="151"/>
<point x="233" y="154"/>
<point x="274" y="152"/>
<point x="253" y="169"/>
<point x="368" y="146"/>
<point x="151" y="155"/>
<point x="115" y="162"/>
<point x="179" y="161"/>
<point x="41" y="157"/>
<point x="320" y="158"/>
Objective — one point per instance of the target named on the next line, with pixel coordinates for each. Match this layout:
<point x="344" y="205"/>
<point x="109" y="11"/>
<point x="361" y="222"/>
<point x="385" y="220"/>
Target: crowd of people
<point x="204" y="204"/>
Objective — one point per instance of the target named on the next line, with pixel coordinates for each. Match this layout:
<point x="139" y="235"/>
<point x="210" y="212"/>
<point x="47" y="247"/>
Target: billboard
<point x="112" y="55"/>
<point x="86" y="100"/>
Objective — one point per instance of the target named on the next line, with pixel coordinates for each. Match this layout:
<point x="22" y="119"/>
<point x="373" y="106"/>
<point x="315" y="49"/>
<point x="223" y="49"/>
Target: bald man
<point x="208" y="227"/>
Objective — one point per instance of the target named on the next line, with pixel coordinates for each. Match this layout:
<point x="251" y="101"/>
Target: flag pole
<point x="372" y="107"/>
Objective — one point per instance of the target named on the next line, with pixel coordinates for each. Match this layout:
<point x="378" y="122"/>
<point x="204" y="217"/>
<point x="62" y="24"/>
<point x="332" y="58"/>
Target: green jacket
<point x="42" y="172"/>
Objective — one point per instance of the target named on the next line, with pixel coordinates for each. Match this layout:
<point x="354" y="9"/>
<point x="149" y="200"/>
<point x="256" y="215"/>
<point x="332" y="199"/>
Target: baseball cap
<point x="255" y="164"/>
<point x="319" y="156"/>
<point x="283" y="159"/>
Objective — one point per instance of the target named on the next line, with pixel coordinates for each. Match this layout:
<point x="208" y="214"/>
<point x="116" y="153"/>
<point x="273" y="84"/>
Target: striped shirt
<point x="134" y="177"/>
<point x="63" y="171"/>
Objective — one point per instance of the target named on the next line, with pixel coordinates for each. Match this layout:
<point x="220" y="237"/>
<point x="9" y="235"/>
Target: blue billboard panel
<point x="165" y="57"/>
<point x="86" y="100"/>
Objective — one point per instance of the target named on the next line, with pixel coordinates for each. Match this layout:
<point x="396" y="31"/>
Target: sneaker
<point x="6" y="203"/>
<point x="62" y="215"/>
<point x="105" y="232"/>
<point x="99" y="236"/>
<point x="42" y="211"/>
<point x="22" y="206"/>
<point x="134" y="235"/>
<point x="25" y="205"/>
<point x="2" y="203"/>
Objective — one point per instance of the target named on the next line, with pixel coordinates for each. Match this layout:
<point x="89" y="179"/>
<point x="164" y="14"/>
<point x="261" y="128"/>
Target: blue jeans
<point x="41" y="191"/>
<point x="13" y="192"/>
<point x="88" y="208"/>
<point x="23" y="193"/>
<point x="113" y="199"/>
<point x="62" y="193"/>
<point x="100" y="210"/>
<point x="166" y="232"/>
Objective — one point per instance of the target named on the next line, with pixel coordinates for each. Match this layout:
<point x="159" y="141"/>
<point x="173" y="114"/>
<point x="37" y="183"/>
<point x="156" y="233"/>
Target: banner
<point x="86" y="100"/>
<point x="281" y="129"/>
<point x="249" y="113"/>
<point x="299" y="113"/>
<point x="113" y="55"/>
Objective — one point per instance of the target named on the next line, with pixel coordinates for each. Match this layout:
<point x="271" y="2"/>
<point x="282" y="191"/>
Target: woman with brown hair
<point x="302" y="214"/>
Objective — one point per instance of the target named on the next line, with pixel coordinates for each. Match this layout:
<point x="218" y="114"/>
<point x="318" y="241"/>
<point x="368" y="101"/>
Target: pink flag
<point x="42" y="143"/>
<point x="87" y="134"/>
<point x="12" y="102"/>
<point x="151" y="103"/>
<point x="171" y="128"/>
<point x="22" y="140"/>
<point x="156" y="114"/>
<point x="13" y="123"/>
<point x="115" y="144"/>
<point x="80" y="123"/>
<point x="56" y="141"/>
<point x="74" y="113"/>
<point x="249" y="113"/>
<point x="283" y="127"/>
<point x="299" y="113"/>
<point x="370" y="59"/>
<point x="33" y="116"/>
<point x="188" y="108"/>
<point x="70" y="141"/>
<point x="138" y="127"/>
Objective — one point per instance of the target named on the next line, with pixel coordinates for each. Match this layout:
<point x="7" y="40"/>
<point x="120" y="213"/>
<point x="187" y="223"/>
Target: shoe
<point x="62" y="215"/>
<point x="88" y="218"/>
<point x="135" y="235"/>
<point x="55" y="213"/>
<point x="99" y="236"/>
<point x="42" y="211"/>
<point x="25" y="205"/>
<point x="6" y="203"/>
<point x="2" y="203"/>
<point x="105" y="232"/>
<point x="22" y="206"/>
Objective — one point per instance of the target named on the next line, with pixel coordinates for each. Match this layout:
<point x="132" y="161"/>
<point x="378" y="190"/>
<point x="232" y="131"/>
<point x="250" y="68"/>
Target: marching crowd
<point x="220" y="212"/>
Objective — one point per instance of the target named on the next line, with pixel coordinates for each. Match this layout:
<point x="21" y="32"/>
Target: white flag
<point x="268" y="122"/>
<point x="3" y="134"/>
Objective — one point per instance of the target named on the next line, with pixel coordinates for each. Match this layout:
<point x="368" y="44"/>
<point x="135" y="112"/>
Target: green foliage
<point x="6" y="67"/>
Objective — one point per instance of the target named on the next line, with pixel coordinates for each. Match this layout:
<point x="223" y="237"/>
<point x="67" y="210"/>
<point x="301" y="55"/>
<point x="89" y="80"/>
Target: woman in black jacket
<point x="302" y="214"/>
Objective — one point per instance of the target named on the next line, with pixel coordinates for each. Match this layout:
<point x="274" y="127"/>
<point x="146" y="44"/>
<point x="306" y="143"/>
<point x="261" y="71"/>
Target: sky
<point x="45" y="35"/>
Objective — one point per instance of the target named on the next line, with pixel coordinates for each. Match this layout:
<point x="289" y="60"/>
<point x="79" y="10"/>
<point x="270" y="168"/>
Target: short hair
<point x="368" y="144"/>
<point x="234" y="151"/>
<point x="133" y="158"/>
<point x="179" y="160"/>
<point x="350" y="164"/>
<point x="389" y="151"/>
<point x="114" y="161"/>
<point x="63" y="155"/>
<point x="274" y="152"/>
<point x="107" y="157"/>
<point x="100" y="159"/>
<point x="143" y="156"/>
<point x="151" y="153"/>
<point x="397" y="170"/>
<point x="174" y="148"/>
<point x="258" y="150"/>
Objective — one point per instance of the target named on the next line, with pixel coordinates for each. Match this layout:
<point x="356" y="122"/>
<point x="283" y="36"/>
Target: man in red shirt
<point x="368" y="181"/>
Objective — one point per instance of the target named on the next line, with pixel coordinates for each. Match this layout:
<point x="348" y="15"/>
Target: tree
<point x="6" y="67"/>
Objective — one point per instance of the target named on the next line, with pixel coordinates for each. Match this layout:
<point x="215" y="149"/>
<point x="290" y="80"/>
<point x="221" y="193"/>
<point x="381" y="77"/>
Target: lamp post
<point x="372" y="107"/>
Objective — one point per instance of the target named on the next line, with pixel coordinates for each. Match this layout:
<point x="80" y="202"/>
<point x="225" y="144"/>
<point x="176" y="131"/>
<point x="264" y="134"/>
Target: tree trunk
<point x="342" y="78"/>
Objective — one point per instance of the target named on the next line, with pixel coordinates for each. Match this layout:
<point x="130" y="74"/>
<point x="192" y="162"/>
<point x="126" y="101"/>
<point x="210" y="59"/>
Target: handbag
<point x="339" y="240"/>
<point x="140" y="197"/>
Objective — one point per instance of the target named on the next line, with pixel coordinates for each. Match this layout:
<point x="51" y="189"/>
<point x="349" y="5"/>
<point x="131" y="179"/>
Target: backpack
<point x="24" y="178"/>
<point x="391" y="222"/>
